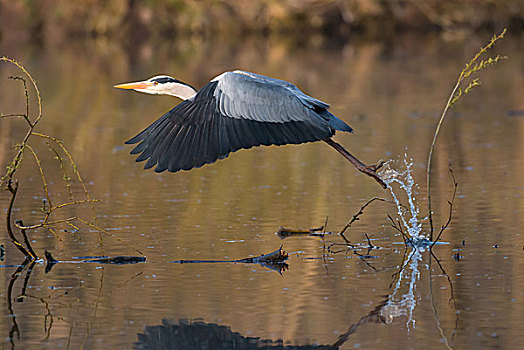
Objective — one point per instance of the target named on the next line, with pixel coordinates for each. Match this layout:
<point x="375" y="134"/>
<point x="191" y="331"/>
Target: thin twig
<point x="65" y="176"/>
<point x="48" y="207"/>
<point x="16" y="160"/>
<point x="74" y="203"/>
<point x="26" y="115"/>
<point x="397" y="226"/>
<point x="12" y="115"/>
<point x="45" y="224"/>
<point x="101" y="230"/>
<point x="356" y="216"/>
<point x="369" y="241"/>
<point x="450" y="203"/>
<point x="71" y="160"/>
<point x="42" y="175"/>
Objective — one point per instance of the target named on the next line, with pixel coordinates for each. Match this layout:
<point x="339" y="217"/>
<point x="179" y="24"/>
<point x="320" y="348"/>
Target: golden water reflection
<point x="390" y="92"/>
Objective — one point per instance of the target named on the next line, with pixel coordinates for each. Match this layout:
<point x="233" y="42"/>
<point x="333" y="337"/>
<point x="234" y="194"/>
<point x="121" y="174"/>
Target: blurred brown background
<point x="47" y="19"/>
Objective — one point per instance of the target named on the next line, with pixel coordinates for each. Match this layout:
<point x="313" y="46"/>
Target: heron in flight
<point x="235" y="110"/>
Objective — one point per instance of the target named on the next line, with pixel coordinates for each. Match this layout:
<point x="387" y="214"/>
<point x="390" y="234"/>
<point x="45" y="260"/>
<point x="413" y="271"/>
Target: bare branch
<point x="26" y="240"/>
<point x="46" y="224"/>
<point x="398" y="226"/>
<point x="450" y="203"/>
<point x="356" y="216"/>
<point x="14" y="240"/>
<point x="26" y="115"/>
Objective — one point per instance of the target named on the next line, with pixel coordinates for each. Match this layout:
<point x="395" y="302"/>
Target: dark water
<point x="391" y="93"/>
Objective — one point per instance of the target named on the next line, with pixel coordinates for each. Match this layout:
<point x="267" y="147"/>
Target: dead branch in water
<point x="110" y="260"/>
<point x="356" y="216"/>
<point x="12" y="237"/>
<point x="284" y="232"/>
<point x="275" y="260"/>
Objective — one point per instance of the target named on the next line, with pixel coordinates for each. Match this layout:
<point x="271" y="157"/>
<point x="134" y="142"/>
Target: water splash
<point x="401" y="185"/>
<point x="409" y="215"/>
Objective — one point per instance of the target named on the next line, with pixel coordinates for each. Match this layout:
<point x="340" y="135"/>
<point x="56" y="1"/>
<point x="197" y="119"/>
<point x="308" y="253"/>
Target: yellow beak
<point x="136" y="85"/>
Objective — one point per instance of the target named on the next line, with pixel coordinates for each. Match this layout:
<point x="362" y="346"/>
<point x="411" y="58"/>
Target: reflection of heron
<point x="185" y="335"/>
<point x="233" y="111"/>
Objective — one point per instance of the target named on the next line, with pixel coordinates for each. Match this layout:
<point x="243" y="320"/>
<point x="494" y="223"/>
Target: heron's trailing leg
<point x="369" y="170"/>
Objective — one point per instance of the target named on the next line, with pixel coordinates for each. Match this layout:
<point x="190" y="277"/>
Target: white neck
<point x="179" y="90"/>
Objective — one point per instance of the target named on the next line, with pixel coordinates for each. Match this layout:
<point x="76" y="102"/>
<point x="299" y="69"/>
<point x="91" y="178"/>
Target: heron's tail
<point x="335" y="122"/>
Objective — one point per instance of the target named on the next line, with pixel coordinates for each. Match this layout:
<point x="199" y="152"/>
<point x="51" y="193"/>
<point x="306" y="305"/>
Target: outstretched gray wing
<point x="235" y="110"/>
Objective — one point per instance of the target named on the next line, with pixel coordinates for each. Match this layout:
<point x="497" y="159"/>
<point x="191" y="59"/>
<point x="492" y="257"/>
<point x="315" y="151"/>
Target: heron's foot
<point x="371" y="170"/>
<point x="375" y="167"/>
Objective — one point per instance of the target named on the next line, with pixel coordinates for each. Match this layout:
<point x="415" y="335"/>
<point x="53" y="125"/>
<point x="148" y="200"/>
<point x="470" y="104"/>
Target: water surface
<point x="390" y="93"/>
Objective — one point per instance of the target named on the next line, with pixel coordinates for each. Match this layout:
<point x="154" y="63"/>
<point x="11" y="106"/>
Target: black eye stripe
<point x="163" y="80"/>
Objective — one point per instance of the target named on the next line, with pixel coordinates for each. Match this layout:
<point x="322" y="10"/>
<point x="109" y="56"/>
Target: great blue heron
<point x="235" y="110"/>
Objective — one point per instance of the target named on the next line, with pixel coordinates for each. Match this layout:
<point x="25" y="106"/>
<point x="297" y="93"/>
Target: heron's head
<point x="161" y="85"/>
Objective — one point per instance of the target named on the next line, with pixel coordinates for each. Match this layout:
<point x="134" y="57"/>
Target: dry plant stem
<point x="45" y="224"/>
<point x="26" y="115"/>
<point x="79" y="177"/>
<point x="65" y="176"/>
<point x="72" y="162"/>
<point x="368" y="170"/>
<point x="468" y="70"/>
<point x="48" y="207"/>
<point x="16" y="160"/>
<point x="430" y="155"/>
<point x="41" y="170"/>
